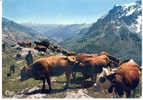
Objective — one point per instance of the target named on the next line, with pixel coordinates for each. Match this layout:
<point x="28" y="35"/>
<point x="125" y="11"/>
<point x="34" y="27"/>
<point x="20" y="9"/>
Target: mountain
<point x="12" y="32"/>
<point x="56" y="32"/>
<point x="118" y="32"/>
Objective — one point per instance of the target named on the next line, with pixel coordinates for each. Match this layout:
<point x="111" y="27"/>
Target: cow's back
<point x="128" y="73"/>
<point x="54" y="65"/>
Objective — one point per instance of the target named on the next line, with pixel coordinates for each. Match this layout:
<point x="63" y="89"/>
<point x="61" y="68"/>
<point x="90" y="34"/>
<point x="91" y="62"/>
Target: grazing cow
<point x="37" y="43"/>
<point x="123" y="80"/>
<point x="81" y="67"/>
<point x="19" y="48"/>
<point x="93" y="65"/>
<point x="44" y="68"/>
<point x="24" y="43"/>
<point x="68" y="53"/>
<point x="41" y="48"/>
<point x="43" y="43"/>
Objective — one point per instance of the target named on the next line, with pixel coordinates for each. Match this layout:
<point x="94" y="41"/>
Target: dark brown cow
<point x="42" y="43"/>
<point x="44" y="68"/>
<point x="68" y="53"/>
<point x="24" y="43"/>
<point x="124" y="79"/>
<point x="41" y="48"/>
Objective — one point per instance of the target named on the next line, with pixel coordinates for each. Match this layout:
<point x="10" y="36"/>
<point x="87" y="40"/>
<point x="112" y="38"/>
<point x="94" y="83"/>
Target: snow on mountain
<point x="130" y="14"/>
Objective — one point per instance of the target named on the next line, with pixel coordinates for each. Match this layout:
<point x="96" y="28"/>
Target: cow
<point x="81" y="67"/>
<point x="42" y="43"/>
<point x="41" y="48"/>
<point x="44" y="68"/>
<point x="91" y="66"/>
<point x="122" y="80"/>
<point x="68" y="53"/>
<point x="116" y="61"/>
<point x="37" y="43"/>
<point x="24" y="43"/>
<point x="85" y="55"/>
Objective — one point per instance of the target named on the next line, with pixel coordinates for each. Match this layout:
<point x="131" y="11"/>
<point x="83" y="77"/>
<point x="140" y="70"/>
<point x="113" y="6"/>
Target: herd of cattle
<point x="121" y="80"/>
<point x="43" y="46"/>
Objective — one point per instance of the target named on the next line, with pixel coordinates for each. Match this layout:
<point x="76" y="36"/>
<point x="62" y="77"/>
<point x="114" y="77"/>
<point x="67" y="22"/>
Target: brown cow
<point x="24" y="43"/>
<point x="115" y="61"/>
<point x="68" y="53"/>
<point x="93" y="65"/>
<point x="44" y="68"/>
<point x="85" y="55"/>
<point x="81" y="67"/>
<point x="41" y="48"/>
<point x="124" y="79"/>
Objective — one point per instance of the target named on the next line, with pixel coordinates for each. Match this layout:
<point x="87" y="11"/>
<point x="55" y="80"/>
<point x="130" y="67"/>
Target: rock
<point x="53" y="79"/>
<point x="18" y="96"/>
<point x="9" y="93"/>
<point x="18" y="62"/>
<point x="36" y="96"/>
<point x="24" y="51"/>
<point x="81" y="93"/>
<point x="33" y="89"/>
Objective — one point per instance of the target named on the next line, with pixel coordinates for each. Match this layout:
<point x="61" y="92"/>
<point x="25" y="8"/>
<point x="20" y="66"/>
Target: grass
<point x="13" y="84"/>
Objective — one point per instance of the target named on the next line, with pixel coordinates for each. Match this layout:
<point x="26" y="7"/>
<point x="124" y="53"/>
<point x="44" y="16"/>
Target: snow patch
<point x="130" y="12"/>
<point x="125" y="6"/>
<point x="139" y="21"/>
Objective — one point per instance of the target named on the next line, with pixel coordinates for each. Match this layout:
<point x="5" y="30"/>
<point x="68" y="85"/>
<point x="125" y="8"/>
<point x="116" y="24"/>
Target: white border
<point x="1" y="48"/>
<point x="47" y="98"/>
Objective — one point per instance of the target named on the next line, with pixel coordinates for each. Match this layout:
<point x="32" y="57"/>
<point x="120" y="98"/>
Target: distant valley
<point x="58" y="33"/>
<point x="118" y="32"/>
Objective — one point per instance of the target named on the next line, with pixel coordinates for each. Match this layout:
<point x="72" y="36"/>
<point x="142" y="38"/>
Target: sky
<point x="57" y="11"/>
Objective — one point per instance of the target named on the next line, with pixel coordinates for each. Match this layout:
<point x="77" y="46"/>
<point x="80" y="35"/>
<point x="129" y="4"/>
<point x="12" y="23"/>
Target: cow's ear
<point x="71" y="58"/>
<point x="111" y="76"/>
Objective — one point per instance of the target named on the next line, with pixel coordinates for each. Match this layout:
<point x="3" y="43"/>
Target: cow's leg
<point x="49" y="84"/>
<point x="134" y="93"/>
<point x="114" y="93"/>
<point x="128" y="94"/>
<point x="93" y="77"/>
<point x="43" y="87"/>
<point x="74" y="75"/>
<point x="85" y="74"/>
<point x="67" y="79"/>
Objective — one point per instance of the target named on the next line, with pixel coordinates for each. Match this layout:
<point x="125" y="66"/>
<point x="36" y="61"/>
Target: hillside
<point x="12" y="32"/>
<point x="58" y="33"/>
<point x="118" y="32"/>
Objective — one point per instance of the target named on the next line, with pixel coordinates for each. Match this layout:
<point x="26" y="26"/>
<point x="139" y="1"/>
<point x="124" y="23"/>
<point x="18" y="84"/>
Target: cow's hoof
<point x="48" y="91"/>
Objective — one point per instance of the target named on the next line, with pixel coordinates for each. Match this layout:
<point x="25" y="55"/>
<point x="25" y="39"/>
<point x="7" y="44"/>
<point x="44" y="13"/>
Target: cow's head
<point x="25" y="73"/>
<point x="115" y="62"/>
<point x="104" y="80"/>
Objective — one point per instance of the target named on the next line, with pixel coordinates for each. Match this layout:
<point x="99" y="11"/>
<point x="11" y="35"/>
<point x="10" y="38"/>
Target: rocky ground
<point x="34" y="92"/>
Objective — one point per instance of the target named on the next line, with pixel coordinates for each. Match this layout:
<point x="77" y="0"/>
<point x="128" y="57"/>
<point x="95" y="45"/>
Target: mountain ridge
<point x="116" y="32"/>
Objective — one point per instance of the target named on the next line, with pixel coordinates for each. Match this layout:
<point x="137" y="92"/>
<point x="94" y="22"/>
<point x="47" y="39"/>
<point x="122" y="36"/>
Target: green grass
<point x="11" y="84"/>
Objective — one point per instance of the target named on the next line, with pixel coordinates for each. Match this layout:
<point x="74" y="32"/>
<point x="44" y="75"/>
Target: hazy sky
<point x="57" y="11"/>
